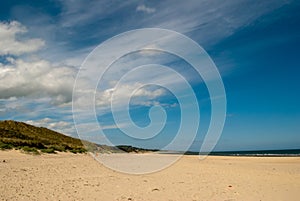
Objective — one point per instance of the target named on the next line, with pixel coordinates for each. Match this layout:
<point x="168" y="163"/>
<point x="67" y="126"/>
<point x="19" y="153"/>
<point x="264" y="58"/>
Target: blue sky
<point x="254" y="44"/>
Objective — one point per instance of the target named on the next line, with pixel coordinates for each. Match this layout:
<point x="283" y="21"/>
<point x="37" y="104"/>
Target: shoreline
<point x="229" y="154"/>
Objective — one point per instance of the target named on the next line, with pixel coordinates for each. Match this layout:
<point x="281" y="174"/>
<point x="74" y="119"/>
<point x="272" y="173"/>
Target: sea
<point x="265" y="153"/>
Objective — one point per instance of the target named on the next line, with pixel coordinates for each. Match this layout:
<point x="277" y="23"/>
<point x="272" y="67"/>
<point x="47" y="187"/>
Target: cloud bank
<point x="11" y="45"/>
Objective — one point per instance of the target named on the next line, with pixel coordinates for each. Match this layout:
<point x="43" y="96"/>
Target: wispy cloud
<point x="205" y="21"/>
<point x="145" y="9"/>
<point x="86" y="12"/>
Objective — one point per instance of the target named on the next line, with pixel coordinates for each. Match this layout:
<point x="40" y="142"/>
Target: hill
<point x="29" y="138"/>
<point x="131" y="149"/>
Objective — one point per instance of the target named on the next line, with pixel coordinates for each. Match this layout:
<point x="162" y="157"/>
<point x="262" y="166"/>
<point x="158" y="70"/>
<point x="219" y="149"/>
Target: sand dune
<point x="66" y="176"/>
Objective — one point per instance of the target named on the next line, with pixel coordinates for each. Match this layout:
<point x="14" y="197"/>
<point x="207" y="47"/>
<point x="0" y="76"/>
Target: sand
<point x="67" y="176"/>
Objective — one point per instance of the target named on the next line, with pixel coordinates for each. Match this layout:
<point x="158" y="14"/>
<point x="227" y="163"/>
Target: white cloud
<point x="40" y="122"/>
<point x="114" y="126"/>
<point x="127" y="91"/>
<point x="150" y="103"/>
<point x="36" y="79"/>
<point x="52" y="124"/>
<point x="9" y="44"/>
<point x="151" y="94"/>
<point x="145" y="9"/>
<point x="147" y="103"/>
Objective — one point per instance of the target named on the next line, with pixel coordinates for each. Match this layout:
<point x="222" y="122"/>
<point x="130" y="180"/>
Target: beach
<point x="66" y="176"/>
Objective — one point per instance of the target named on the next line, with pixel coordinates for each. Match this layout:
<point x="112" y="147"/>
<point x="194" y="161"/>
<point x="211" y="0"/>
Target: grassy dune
<point x="19" y="135"/>
<point x="33" y="139"/>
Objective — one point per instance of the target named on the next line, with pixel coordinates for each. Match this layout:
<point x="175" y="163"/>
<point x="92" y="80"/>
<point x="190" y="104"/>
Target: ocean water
<point x="271" y="153"/>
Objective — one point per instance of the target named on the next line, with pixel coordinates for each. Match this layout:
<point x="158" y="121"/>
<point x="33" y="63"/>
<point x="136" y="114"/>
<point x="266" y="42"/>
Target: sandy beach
<point x="67" y="176"/>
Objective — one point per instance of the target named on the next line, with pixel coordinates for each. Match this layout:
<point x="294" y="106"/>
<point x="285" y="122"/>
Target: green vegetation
<point x="78" y="150"/>
<point x="48" y="151"/>
<point x="129" y="149"/>
<point x="36" y="140"/>
<point x="4" y="146"/>
<point x="33" y="139"/>
<point x="32" y="150"/>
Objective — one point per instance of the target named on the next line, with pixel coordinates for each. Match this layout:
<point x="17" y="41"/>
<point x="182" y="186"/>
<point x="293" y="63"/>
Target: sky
<point x="253" y="44"/>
